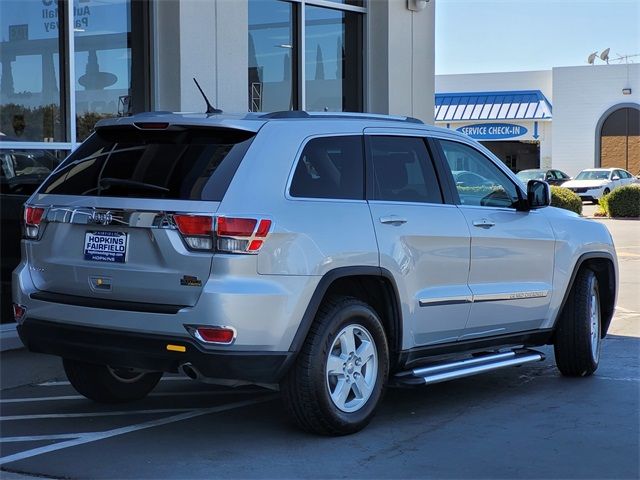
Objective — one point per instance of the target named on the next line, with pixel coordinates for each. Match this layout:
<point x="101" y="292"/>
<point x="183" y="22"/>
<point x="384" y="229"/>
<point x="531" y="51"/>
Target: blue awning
<point x="514" y="105"/>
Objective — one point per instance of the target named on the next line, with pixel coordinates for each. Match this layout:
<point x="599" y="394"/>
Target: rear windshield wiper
<point x="108" y="181"/>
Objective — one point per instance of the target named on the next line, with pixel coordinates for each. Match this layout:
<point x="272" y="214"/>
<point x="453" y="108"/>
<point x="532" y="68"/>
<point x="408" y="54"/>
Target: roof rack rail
<point x="358" y="116"/>
<point x="286" y="114"/>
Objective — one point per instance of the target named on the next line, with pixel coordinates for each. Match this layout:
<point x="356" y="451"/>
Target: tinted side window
<point x="493" y="188"/>
<point x="22" y="171"/>
<point x="403" y="170"/>
<point x="330" y="167"/>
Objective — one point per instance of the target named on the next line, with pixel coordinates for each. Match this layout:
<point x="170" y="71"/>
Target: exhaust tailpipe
<point x="190" y="371"/>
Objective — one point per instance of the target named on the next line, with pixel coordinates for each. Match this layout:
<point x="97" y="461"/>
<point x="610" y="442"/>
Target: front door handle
<point x="483" y="223"/>
<point x="393" y="220"/>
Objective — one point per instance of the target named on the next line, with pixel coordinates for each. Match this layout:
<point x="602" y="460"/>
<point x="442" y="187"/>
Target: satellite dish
<point x="592" y="58"/>
<point x="604" y="56"/>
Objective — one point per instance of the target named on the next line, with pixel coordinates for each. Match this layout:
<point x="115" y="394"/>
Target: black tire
<point x="306" y="387"/>
<point x="580" y="321"/>
<point x="104" y="384"/>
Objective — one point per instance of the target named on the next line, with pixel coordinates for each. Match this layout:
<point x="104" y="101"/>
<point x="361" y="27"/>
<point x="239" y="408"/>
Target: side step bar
<point x="441" y="372"/>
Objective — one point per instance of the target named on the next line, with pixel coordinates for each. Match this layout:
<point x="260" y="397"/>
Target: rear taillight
<point x="231" y="235"/>
<point x="32" y="220"/>
<point x="197" y="230"/>
<point x="241" y="235"/>
<point x="18" y="312"/>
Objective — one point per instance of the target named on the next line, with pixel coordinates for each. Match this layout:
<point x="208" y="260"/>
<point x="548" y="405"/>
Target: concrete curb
<point x="9" y="339"/>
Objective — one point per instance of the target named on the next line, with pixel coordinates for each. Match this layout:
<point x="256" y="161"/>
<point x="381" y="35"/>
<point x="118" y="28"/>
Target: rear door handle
<point x="393" y="220"/>
<point x="483" y="223"/>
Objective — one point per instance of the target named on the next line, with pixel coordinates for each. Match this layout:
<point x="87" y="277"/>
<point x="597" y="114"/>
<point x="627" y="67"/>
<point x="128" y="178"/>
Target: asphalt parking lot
<point x="525" y="422"/>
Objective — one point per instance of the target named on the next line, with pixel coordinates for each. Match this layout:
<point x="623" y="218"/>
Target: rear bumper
<point x="149" y="352"/>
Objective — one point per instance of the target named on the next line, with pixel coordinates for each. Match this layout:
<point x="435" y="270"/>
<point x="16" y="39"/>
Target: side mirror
<point x="538" y="194"/>
<point x="615" y="177"/>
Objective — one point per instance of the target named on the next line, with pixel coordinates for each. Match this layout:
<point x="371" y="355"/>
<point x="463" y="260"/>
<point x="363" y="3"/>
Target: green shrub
<point x="565" y="198"/>
<point x="622" y="202"/>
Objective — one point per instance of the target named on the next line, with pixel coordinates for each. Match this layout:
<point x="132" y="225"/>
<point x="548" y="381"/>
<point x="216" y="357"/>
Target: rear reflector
<point x="176" y="348"/>
<point x="18" y="312"/>
<point x="208" y="334"/>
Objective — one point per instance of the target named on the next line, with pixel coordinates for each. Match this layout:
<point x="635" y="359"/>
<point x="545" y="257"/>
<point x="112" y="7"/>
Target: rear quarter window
<point x="330" y="167"/>
<point x="178" y="164"/>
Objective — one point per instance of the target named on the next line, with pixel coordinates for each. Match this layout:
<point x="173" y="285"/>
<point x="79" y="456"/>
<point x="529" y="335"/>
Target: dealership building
<point x="67" y="64"/>
<point x="567" y="118"/>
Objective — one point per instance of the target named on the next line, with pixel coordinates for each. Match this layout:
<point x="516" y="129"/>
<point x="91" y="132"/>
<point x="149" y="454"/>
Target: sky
<point x="477" y="36"/>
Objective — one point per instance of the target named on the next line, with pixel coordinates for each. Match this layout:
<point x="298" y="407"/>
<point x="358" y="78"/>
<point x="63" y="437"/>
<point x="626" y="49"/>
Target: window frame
<point x="447" y="176"/>
<point x="370" y="172"/>
<point x="298" y="159"/>
<point x="141" y="88"/>
<point x="298" y="57"/>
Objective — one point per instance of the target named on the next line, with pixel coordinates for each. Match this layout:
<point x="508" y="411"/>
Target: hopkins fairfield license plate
<point x="105" y="246"/>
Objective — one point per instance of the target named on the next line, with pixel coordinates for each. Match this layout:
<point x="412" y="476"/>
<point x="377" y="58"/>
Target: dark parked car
<point x="21" y="172"/>
<point x="552" y="177"/>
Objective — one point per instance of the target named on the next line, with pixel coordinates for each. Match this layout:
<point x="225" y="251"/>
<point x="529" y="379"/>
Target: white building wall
<point x="401" y="59"/>
<point x="206" y="39"/>
<point x="546" y="143"/>
<point x="581" y="96"/>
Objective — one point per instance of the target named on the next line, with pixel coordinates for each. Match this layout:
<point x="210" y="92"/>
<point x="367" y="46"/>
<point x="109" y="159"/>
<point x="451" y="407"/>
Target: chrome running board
<point x="441" y="372"/>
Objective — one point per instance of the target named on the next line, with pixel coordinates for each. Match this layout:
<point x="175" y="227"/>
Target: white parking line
<point x="156" y="394"/>
<point x="95" y="436"/>
<point x="617" y="379"/>
<point x="93" y="414"/>
<point x="163" y="379"/>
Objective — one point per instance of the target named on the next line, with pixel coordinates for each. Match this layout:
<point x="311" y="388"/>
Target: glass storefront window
<point x="333" y="60"/>
<point x="30" y="77"/>
<point x="102" y="60"/>
<point x="271" y="56"/>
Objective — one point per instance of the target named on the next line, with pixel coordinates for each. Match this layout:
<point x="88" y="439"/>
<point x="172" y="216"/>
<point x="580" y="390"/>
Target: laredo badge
<point x="190" y="281"/>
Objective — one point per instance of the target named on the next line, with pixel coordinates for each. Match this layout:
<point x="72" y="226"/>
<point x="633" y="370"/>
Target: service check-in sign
<point x="493" y="131"/>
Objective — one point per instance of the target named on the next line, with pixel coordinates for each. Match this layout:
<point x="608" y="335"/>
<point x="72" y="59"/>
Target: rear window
<point x="178" y="164"/>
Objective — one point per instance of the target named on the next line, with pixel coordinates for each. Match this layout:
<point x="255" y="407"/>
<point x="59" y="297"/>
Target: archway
<point x="618" y="138"/>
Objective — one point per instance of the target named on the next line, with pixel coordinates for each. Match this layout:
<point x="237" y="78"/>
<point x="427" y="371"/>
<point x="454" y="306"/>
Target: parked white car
<point x="594" y="183"/>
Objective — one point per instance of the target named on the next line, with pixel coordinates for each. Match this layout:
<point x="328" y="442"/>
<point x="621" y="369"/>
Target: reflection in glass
<point x="30" y="78"/>
<point x="331" y="37"/>
<point x="271" y="54"/>
<point x="103" y="60"/>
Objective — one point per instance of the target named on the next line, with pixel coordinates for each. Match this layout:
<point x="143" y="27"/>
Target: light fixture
<point x="417" y="5"/>
<point x="626" y="91"/>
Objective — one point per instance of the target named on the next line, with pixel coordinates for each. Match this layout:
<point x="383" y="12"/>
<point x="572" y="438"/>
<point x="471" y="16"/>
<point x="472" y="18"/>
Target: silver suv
<point x="328" y="255"/>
